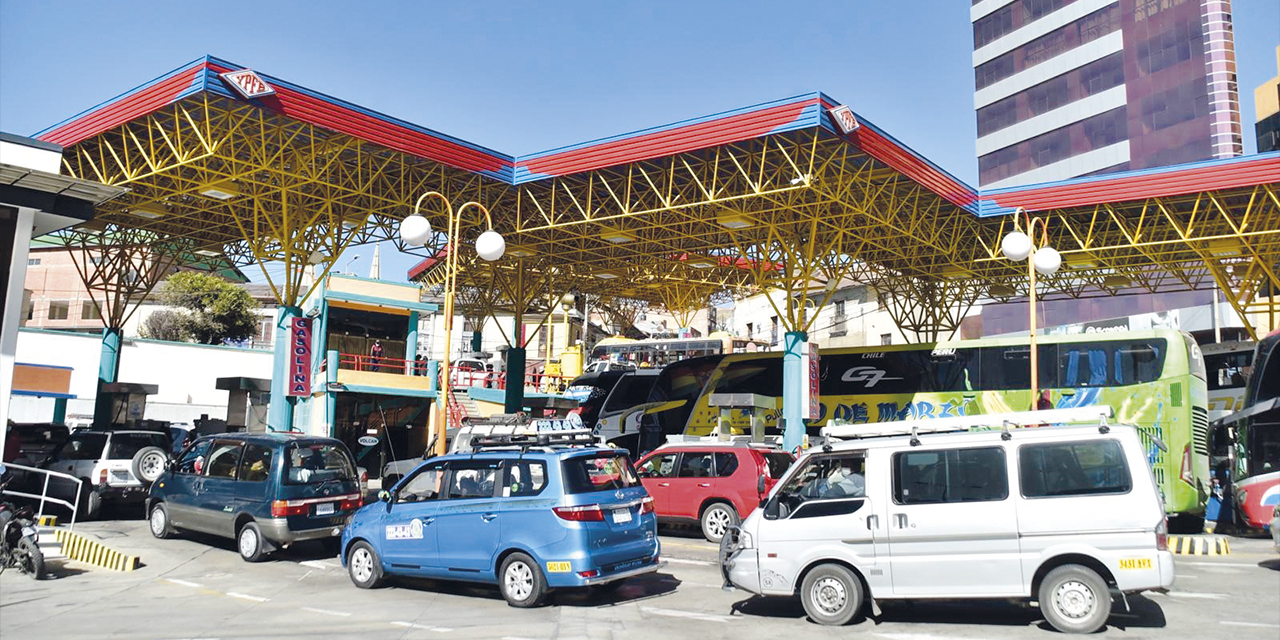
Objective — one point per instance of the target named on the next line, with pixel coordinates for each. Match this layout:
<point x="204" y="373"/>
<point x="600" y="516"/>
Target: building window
<point x="773" y="330"/>
<point x="992" y="26"/>
<point x="1169" y="48"/>
<point x="886" y="338"/>
<point x="751" y="329"/>
<point x="33" y="262"/>
<point x="89" y="311"/>
<point x="59" y="310"/>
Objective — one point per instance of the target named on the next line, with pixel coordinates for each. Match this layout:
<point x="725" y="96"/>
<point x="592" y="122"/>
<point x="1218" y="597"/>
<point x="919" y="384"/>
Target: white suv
<point x="112" y="465"/>
<point x="1062" y="515"/>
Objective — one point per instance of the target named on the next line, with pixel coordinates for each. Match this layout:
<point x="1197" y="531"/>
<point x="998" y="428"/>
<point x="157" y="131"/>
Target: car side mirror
<point x="384" y="496"/>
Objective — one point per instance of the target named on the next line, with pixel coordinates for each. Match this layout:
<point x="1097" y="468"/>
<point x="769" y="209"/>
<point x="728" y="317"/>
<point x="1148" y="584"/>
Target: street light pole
<point x="1018" y="246"/>
<point x="490" y="246"/>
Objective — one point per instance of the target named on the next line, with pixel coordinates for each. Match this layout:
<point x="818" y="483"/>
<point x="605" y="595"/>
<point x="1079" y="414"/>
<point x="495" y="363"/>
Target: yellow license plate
<point x="1135" y="563"/>
<point x="558" y="567"/>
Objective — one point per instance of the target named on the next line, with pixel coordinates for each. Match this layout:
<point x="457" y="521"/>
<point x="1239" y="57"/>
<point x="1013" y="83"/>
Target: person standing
<point x="375" y="355"/>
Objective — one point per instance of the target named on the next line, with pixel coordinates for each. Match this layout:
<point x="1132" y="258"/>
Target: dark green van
<point x="264" y="490"/>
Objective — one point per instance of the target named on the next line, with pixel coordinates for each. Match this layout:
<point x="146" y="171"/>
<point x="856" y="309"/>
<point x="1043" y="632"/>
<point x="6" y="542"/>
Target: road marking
<point x="705" y="547"/>
<point x="693" y="615"/>
<point x="317" y="564"/>
<point x="401" y="623"/>
<point x="688" y="561"/>
<point x="1219" y="564"/>
<point x="1264" y="625"/>
<point x="245" y="596"/>
<point x="184" y="583"/>
<point x="515" y="638"/>
<point x="1193" y="594"/>
<point x="326" y="611"/>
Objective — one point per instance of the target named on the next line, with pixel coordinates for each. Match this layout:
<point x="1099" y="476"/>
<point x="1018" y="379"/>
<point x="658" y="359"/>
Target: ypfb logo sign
<point x="300" y="357"/>
<point x="247" y="84"/>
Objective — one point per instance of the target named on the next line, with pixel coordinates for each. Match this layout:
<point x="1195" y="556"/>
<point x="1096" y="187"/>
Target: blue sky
<point x="521" y="77"/>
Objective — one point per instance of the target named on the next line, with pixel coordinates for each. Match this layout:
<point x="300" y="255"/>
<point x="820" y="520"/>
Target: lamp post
<point x="490" y="246"/>
<point x="1019" y="245"/>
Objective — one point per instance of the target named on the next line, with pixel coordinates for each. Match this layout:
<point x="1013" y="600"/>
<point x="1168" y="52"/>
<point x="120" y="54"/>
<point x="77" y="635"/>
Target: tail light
<point x="1186" y="474"/>
<point x="364" y="477"/>
<point x="590" y="573"/>
<point x="1162" y="535"/>
<point x="584" y="513"/>
<point x="350" y="503"/>
<point x="646" y="505"/>
<point x="283" y="508"/>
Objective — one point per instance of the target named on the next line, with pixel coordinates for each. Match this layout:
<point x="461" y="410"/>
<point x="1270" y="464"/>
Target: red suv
<point x="716" y="485"/>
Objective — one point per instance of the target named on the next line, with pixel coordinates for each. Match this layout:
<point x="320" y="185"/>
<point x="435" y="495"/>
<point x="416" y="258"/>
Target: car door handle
<point x="704" y="484"/>
<point x="488" y="516"/>
<point x="428" y="520"/>
<point x="873" y="522"/>
<point x="900" y="520"/>
<point x="664" y="484"/>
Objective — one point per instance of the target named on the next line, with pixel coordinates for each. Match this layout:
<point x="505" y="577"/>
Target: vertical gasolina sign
<point x="300" y="357"/>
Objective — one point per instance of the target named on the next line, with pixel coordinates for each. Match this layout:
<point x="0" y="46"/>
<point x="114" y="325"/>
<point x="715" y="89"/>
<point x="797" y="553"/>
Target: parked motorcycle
<point x="18" y="535"/>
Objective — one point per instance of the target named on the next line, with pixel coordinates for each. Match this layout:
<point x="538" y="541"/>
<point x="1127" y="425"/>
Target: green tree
<point x="216" y="310"/>
<point x="164" y="324"/>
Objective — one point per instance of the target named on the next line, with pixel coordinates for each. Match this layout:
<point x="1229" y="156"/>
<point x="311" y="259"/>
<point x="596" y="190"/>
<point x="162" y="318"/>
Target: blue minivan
<point x="529" y="518"/>
<point x="264" y="490"/>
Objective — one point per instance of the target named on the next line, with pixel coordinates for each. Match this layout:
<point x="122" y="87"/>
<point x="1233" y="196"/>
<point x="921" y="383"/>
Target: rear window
<point x="310" y="463"/>
<point x="126" y="445"/>
<point x="83" y="446"/>
<point x="1073" y="469"/>
<point x="605" y="472"/>
<point x="778" y="463"/>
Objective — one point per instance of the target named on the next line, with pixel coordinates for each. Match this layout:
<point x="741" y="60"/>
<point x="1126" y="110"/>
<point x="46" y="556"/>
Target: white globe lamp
<point x="415" y="230"/>
<point x="1016" y="246"/>
<point x="1047" y="261"/>
<point x="490" y="246"/>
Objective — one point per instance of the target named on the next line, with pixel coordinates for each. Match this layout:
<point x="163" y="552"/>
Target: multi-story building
<point x="1068" y="88"/>
<point x="1266" y="101"/>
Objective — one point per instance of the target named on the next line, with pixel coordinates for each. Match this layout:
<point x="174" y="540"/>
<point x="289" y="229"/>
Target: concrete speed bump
<point x="1199" y="545"/>
<point x="85" y="549"/>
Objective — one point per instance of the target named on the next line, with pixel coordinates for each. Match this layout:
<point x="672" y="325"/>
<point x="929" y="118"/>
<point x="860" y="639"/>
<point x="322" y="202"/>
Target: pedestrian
<point x="375" y="355"/>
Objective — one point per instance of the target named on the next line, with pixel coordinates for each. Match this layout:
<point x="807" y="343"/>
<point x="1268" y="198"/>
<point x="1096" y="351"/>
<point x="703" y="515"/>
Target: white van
<point x="1062" y="515"/>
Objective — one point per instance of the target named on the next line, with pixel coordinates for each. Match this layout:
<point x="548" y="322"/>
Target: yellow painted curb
<point x="78" y="547"/>
<point x="1199" y="546"/>
<point x="48" y="521"/>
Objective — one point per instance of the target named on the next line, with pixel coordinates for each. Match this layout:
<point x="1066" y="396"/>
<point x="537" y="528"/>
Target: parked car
<point x="264" y="490"/>
<point x="600" y="366"/>
<point x="470" y="372"/>
<point x="590" y="390"/>
<point x="34" y="441"/>
<point x="530" y="519"/>
<point x="1063" y="515"/>
<point x="710" y="483"/>
<point x="113" y="466"/>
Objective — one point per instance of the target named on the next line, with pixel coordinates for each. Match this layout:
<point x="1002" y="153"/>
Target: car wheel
<point x="90" y="502"/>
<point x="521" y="581"/>
<point x="717" y="519"/>
<point x="148" y="464"/>
<point x="159" y="521"/>
<point x="831" y="594"/>
<point x="363" y="566"/>
<point x="1075" y="599"/>
<point x="250" y="544"/>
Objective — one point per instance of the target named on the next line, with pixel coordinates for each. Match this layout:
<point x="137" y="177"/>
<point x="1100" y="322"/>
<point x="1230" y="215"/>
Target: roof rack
<point x="770" y="442"/>
<point x="1098" y="414"/>
<point x="566" y="438"/>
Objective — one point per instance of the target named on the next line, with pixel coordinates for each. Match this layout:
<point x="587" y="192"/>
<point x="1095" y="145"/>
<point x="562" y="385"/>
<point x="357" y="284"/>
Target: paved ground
<point x="197" y="587"/>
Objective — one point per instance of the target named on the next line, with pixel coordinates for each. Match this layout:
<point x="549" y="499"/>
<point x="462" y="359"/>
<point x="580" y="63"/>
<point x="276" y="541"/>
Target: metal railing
<point x="44" y="491"/>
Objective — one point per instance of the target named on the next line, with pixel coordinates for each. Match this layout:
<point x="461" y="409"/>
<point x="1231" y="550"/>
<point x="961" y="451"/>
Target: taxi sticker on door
<point x="1135" y="563"/>
<point x="558" y="567"/>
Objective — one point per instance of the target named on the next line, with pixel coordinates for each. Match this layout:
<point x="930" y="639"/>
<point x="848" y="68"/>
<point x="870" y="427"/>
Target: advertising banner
<point x="300" y="357"/>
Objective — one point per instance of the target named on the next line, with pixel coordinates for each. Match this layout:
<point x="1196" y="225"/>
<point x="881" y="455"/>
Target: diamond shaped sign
<point x="247" y="83"/>
<point x="844" y="119"/>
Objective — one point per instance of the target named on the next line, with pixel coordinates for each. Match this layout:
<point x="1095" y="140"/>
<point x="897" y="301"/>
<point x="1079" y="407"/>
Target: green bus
<point x="1153" y="379"/>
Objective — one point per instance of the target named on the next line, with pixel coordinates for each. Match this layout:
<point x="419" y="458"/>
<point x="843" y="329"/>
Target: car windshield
<point x="315" y="462"/>
<point x="604" y="472"/>
<point x="126" y="445"/>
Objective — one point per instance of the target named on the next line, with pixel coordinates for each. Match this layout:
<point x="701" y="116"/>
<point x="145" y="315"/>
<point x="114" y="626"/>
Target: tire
<point x="250" y="544"/>
<point x="521" y="581"/>
<point x="148" y="464"/>
<point x="90" y="502"/>
<point x="831" y="594"/>
<point x="33" y="559"/>
<point x="158" y="521"/>
<point x="716" y="520"/>
<point x="363" y="566"/>
<point x="1075" y="599"/>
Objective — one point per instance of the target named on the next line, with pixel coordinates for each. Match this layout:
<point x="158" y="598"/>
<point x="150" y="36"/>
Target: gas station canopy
<point x="793" y="194"/>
